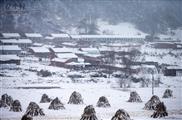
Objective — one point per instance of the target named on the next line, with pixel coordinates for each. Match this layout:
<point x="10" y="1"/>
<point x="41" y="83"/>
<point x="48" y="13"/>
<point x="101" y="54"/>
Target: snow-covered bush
<point x="152" y="103"/>
<point x="160" y="111"/>
<point x="6" y="99"/>
<point x="168" y="93"/>
<point x="16" y="106"/>
<point x="44" y="73"/>
<point x="89" y="113"/>
<point x="33" y="109"/>
<point x="56" y="104"/>
<point x="121" y="114"/>
<point x="26" y="117"/>
<point x="45" y="99"/>
<point x="134" y="97"/>
<point x="103" y="102"/>
<point x="75" y="98"/>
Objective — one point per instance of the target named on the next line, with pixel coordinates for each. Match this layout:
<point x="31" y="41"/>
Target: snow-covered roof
<point x="174" y="67"/>
<point x="49" y="38"/>
<point x="93" y="55"/>
<point x="59" y="35"/>
<point x="68" y="43"/>
<point x="104" y="48"/>
<point x="162" y="36"/>
<point x="19" y="41"/>
<point x="11" y="35"/>
<point x="63" y="50"/>
<point x="59" y="60"/>
<point x="33" y="35"/>
<point x="66" y="55"/>
<point x="9" y="57"/>
<point x="40" y="49"/>
<point x="37" y="44"/>
<point x="78" y="63"/>
<point x="9" y="47"/>
<point x="90" y="50"/>
<point x="107" y="36"/>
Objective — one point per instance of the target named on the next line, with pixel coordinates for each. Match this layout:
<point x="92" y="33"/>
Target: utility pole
<point x="152" y="83"/>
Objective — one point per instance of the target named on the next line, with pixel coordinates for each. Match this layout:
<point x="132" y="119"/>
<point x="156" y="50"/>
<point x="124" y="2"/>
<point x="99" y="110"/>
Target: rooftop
<point x="9" y="47"/>
<point x="60" y="35"/>
<point x="63" y="50"/>
<point x="35" y="35"/>
<point x="40" y="49"/>
<point x="60" y="60"/>
<point x="67" y="55"/>
<point x="107" y="36"/>
<point x="9" y="57"/>
<point x="11" y="35"/>
<point x="19" y="41"/>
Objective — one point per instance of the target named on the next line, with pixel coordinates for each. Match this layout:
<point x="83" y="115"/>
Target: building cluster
<point x="75" y="51"/>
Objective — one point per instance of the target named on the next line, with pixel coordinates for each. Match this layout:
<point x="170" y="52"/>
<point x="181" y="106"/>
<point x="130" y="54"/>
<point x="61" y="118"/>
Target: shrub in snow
<point x="103" y="102"/>
<point x="6" y="99"/>
<point x="134" y="97"/>
<point x="152" y="103"/>
<point x="168" y="93"/>
<point x="89" y="113"/>
<point x="121" y="115"/>
<point x="33" y="109"/>
<point x="16" y="106"/>
<point x="56" y="104"/>
<point x="26" y="117"/>
<point x="45" y="99"/>
<point x="75" y="98"/>
<point x="160" y="111"/>
<point x="44" y="73"/>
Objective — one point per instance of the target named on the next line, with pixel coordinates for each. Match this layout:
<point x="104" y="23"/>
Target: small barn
<point x="41" y="52"/>
<point x="10" y="49"/>
<point x="173" y="71"/>
<point x="91" y="55"/>
<point x="9" y="59"/>
<point x="63" y="58"/>
<point x="63" y="50"/>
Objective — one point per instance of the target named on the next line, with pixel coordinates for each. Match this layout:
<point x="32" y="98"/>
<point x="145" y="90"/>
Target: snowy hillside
<point x="125" y="29"/>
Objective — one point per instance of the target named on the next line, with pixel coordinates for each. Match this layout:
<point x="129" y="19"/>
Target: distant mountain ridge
<point x="47" y="16"/>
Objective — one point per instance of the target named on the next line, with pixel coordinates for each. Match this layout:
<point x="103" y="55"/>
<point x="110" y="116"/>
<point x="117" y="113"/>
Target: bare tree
<point x="127" y="60"/>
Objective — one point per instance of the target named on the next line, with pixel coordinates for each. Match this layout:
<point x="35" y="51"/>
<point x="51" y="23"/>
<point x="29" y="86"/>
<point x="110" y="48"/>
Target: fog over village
<point x="90" y="59"/>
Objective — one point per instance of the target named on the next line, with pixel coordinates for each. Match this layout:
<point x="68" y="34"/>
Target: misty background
<point x="46" y="16"/>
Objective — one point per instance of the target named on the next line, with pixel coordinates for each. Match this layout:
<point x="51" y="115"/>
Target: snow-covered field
<point x="21" y="82"/>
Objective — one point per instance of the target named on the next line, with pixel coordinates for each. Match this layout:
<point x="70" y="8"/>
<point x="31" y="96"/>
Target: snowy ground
<point x="21" y="83"/>
<point x="91" y="93"/>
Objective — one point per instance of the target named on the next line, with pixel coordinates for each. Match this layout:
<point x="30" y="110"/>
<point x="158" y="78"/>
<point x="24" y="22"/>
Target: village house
<point x="63" y="58"/>
<point x="40" y="52"/>
<point x="35" y="37"/>
<point x="10" y="49"/>
<point x="23" y="43"/>
<point x="91" y="55"/>
<point x="104" y="38"/>
<point x="173" y="71"/>
<point x="9" y="59"/>
<point x="63" y="50"/>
